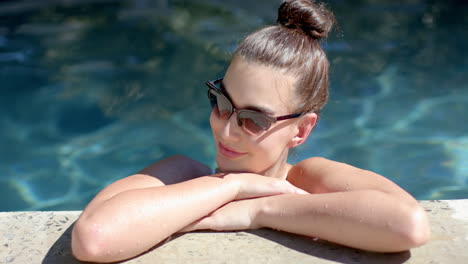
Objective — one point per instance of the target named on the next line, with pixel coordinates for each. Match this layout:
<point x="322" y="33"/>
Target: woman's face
<point x="253" y="86"/>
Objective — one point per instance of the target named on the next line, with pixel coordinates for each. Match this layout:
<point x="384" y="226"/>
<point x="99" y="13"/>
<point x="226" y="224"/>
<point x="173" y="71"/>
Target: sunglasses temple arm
<point x="288" y="116"/>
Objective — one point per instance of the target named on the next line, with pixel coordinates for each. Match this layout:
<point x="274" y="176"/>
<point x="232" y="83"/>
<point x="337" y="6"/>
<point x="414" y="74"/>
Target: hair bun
<point x="313" y="19"/>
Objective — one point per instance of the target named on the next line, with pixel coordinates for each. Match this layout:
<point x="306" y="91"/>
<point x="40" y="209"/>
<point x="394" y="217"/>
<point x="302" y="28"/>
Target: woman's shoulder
<point x="306" y="174"/>
<point x="314" y="174"/>
<point x="321" y="175"/>
<point x="310" y="164"/>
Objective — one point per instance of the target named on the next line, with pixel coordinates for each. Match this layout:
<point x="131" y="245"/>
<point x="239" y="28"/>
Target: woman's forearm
<point x="133" y="221"/>
<point x="364" y="219"/>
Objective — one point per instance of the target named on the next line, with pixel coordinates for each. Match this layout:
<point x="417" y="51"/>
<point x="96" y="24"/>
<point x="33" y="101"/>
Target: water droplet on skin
<point x="325" y="206"/>
<point x="361" y="219"/>
<point x="347" y="187"/>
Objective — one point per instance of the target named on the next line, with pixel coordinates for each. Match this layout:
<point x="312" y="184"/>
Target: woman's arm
<point x="347" y="205"/>
<point x="174" y="169"/>
<point x="133" y="214"/>
<point x="366" y="219"/>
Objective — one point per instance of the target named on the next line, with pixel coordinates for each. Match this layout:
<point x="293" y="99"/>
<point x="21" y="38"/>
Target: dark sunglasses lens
<point x="212" y="98"/>
<point x="254" y="122"/>
<point x="223" y="104"/>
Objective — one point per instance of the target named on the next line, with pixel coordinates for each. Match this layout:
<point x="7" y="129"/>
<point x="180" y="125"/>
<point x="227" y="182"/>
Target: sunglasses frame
<point x="272" y="119"/>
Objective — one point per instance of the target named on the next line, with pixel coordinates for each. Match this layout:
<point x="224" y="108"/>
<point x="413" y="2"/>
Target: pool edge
<point x="44" y="237"/>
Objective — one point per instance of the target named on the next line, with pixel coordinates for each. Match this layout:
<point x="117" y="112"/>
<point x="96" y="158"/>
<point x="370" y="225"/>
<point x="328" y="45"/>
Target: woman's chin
<point x="230" y="166"/>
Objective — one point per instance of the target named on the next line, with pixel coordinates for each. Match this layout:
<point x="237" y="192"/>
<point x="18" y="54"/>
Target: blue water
<point x="93" y="91"/>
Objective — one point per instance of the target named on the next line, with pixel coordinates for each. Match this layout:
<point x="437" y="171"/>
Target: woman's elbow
<point x="410" y="231"/>
<point x="421" y="230"/>
<point x="86" y="242"/>
<point x="416" y="231"/>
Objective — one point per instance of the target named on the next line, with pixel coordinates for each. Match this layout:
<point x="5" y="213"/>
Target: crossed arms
<point x="320" y="198"/>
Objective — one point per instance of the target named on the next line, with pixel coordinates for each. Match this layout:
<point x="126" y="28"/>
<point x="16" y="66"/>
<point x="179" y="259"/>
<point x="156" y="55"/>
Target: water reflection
<point x="92" y="91"/>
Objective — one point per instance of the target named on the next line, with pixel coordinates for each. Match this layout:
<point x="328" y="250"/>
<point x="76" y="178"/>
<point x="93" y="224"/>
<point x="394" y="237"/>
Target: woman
<point x="267" y="103"/>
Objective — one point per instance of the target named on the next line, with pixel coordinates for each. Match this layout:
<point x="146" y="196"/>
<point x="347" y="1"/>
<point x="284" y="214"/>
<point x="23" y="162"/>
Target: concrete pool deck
<point x="44" y="237"/>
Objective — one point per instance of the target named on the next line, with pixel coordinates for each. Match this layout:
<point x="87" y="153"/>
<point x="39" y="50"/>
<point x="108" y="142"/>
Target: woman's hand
<point x="251" y="185"/>
<point x="241" y="214"/>
<point x="236" y="215"/>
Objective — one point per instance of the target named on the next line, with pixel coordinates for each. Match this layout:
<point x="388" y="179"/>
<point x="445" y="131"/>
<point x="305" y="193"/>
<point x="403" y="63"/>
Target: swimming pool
<point x="93" y="91"/>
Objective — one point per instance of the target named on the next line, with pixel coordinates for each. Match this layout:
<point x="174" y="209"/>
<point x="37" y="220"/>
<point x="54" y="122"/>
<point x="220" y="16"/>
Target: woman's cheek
<point x="214" y="122"/>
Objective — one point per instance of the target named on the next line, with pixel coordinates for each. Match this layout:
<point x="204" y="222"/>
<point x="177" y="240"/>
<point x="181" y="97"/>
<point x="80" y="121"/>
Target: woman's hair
<point x="293" y="46"/>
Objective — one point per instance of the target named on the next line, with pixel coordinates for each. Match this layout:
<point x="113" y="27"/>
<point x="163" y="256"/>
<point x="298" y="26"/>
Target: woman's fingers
<point x="300" y="191"/>
<point x="252" y="185"/>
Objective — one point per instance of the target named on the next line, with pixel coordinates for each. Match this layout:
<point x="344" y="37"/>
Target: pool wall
<point x="44" y="237"/>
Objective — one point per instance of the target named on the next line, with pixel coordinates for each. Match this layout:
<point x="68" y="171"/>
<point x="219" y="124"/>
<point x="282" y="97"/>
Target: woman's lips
<point x="228" y="152"/>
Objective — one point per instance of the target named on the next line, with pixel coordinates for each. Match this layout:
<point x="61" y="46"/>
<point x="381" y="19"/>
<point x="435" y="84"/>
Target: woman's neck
<point x="280" y="168"/>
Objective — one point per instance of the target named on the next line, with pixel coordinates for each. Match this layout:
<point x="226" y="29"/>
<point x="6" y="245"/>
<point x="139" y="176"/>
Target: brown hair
<point x="293" y="46"/>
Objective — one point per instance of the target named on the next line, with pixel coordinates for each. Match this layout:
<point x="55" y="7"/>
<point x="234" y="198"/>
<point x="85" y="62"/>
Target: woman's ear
<point x="304" y="127"/>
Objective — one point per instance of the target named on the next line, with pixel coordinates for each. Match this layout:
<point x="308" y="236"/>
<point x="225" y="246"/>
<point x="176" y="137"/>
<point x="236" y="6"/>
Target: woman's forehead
<point x="255" y="85"/>
<point x="256" y="107"/>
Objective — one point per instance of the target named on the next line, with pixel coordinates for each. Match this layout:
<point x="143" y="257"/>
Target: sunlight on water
<point x="93" y="91"/>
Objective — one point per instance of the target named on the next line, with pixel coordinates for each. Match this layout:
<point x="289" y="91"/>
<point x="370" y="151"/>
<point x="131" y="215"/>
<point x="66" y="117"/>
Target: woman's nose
<point x="231" y="130"/>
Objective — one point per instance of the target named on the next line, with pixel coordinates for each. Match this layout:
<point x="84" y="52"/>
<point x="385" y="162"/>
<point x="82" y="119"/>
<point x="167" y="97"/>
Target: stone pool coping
<point x="44" y="237"/>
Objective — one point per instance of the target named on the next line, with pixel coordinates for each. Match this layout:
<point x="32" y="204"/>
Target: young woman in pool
<point x="267" y="103"/>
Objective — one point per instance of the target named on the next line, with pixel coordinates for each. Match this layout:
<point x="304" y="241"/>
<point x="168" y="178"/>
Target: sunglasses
<point x="251" y="121"/>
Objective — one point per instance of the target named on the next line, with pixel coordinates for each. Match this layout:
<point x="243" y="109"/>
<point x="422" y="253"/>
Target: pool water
<point x="93" y="91"/>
